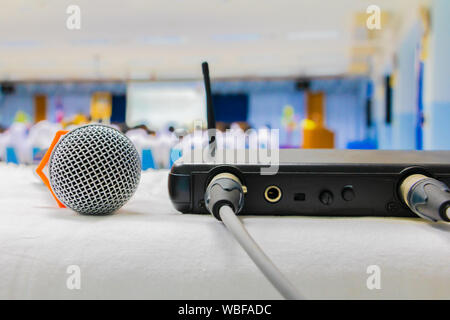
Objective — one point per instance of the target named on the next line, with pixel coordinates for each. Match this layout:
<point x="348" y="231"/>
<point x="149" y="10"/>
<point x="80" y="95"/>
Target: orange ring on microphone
<point x="44" y="162"/>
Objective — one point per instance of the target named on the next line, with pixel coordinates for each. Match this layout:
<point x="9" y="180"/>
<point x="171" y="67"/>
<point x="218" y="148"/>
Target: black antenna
<point x="209" y="104"/>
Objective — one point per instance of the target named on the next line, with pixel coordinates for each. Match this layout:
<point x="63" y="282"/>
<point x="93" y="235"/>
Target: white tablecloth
<point x="148" y="250"/>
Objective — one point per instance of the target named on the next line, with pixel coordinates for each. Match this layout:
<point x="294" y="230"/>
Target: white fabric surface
<point x="148" y="250"/>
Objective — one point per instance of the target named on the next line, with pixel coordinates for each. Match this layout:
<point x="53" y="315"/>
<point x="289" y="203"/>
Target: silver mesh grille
<point x="94" y="169"/>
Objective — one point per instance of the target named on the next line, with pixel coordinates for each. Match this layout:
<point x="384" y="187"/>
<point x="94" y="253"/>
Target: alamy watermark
<point x="73" y="281"/>
<point x="259" y="147"/>
<point x="373" y="21"/>
<point x="73" y="21"/>
<point x="374" y="280"/>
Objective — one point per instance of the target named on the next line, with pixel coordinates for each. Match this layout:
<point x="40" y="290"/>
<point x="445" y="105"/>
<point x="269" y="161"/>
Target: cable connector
<point x="427" y="197"/>
<point x="224" y="189"/>
<point x="224" y="198"/>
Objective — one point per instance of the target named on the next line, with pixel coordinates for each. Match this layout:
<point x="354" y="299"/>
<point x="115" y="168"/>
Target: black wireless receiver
<point x="320" y="182"/>
<point x="308" y="182"/>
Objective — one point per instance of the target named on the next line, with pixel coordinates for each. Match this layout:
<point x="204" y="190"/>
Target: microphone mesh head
<point x="94" y="169"/>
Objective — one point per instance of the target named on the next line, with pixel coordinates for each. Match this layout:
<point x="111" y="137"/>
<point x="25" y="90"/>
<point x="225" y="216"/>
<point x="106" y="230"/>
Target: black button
<point x="326" y="197"/>
<point x="348" y="194"/>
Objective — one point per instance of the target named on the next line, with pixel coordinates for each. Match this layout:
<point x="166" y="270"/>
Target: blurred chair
<point x="148" y="162"/>
<point x="39" y="139"/>
<point x="145" y="145"/>
<point x="263" y="138"/>
<point x="175" y="154"/>
<point x="363" y="144"/>
<point x="235" y="137"/>
<point x="2" y="147"/>
<point x="14" y="143"/>
<point x="166" y="141"/>
<point x="11" y="156"/>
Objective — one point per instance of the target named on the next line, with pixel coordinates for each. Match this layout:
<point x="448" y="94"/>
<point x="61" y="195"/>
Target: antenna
<point x="209" y="105"/>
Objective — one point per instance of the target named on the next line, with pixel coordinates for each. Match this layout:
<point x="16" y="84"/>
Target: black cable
<point x="224" y="198"/>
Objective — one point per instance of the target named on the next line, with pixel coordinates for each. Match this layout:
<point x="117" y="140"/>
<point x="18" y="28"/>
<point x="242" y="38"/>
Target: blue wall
<point x="437" y="79"/>
<point x="401" y="132"/>
<point x="404" y="117"/>
<point x="75" y="98"/>
<point x="266" y="109"/>
<point x="344" y="103"/>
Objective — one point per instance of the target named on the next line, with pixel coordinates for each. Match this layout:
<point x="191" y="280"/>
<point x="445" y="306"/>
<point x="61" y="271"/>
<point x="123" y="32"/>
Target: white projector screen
<point x="162" y="104"/>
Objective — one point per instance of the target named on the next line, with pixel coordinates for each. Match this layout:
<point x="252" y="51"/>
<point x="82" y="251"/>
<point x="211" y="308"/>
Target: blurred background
<point x="348" y="74"/>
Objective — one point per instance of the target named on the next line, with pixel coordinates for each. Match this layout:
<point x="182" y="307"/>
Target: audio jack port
<point x="272" y="194"/>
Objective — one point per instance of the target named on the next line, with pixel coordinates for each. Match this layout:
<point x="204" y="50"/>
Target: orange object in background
<point x="101" y="106"/>
<point x="315" y="135"/>
<point x="40" y="107"/>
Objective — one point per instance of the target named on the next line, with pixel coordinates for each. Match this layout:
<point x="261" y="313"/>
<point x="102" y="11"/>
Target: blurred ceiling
<point x="167" y="39"/>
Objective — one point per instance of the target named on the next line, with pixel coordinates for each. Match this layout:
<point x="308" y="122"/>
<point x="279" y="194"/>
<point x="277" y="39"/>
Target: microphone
<point x="93" y="169"/>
